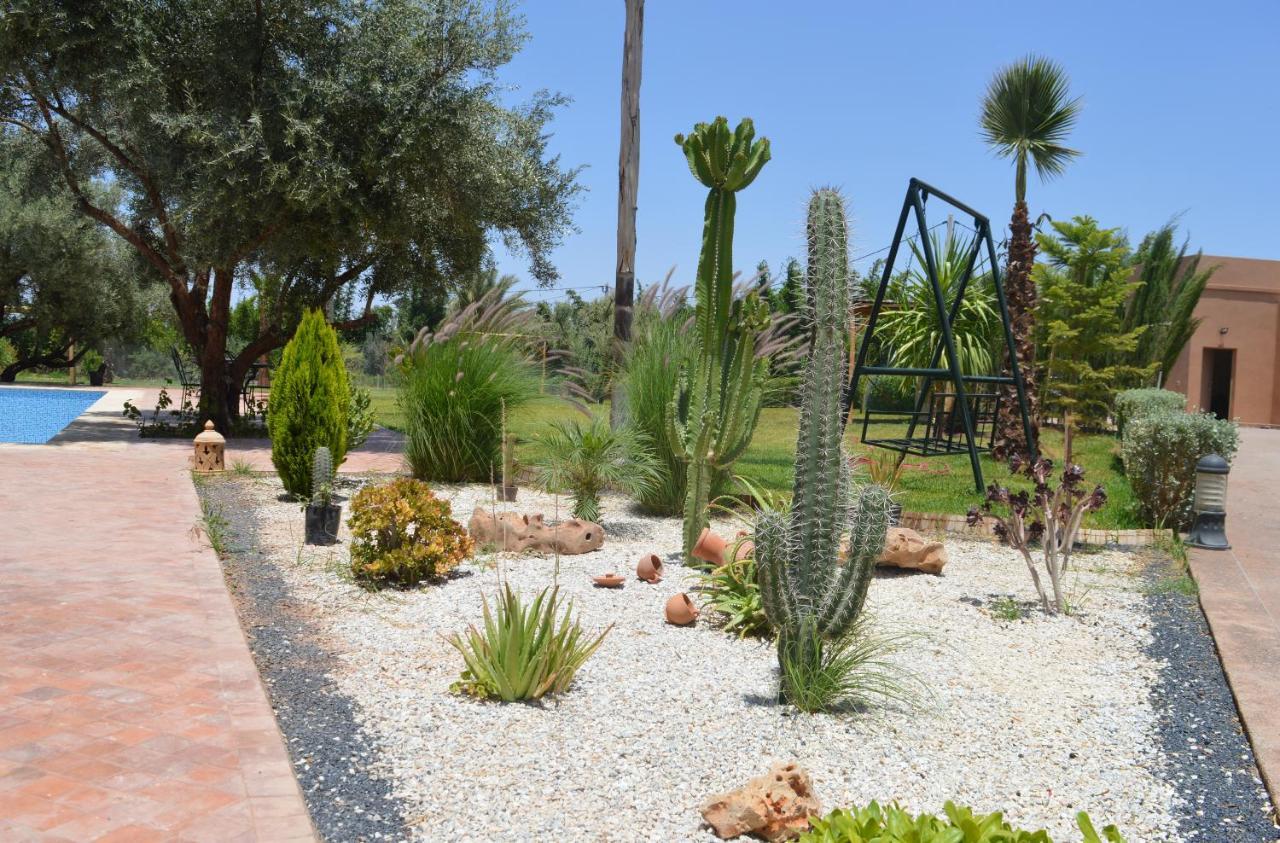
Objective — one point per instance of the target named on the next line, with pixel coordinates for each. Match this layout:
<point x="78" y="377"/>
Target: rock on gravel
<point x="1039" y="717"/>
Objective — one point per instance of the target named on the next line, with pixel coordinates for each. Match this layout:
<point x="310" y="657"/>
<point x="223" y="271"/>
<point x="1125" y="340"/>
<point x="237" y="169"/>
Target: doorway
<point x="1219" y="364"/>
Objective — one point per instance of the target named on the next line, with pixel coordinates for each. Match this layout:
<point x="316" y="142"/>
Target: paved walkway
<point x="130" y="707"/>
<point x="1240" y="593"/>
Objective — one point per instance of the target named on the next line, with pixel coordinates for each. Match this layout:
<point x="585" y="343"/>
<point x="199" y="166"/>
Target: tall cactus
<point x="804" y="587"/>
<point x="714" y="409"/>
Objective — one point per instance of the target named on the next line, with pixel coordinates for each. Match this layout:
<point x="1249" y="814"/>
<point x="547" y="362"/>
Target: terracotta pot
<point x="609" y="580"/>
<point x="649" y="568"/>
<point x="680" y="610"/>
<point x="744" y="550"/>
<point x="710" y="547"/>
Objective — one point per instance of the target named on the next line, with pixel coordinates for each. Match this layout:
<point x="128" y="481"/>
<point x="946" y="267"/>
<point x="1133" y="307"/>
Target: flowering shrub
<point x="401" y="533"/>
<point x="1160" y="453"/>
<point x="1046" y="515"/>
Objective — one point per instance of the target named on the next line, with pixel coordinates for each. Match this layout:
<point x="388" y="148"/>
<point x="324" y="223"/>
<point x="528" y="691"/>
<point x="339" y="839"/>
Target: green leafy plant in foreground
<point x="891" y="824"/>
<point x="585" y="459"/>
<point x="525" y="650"/>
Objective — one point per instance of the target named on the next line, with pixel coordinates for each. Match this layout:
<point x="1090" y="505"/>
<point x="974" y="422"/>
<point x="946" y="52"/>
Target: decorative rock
<point x="680" y="610"/>
<point x="904" y="548"/>
<point x="515" y="532"/>
<point x="775" y="806"/>
<point x="649" y="568"/>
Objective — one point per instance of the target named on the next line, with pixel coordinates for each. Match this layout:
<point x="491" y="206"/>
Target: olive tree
<point x="333" y="143"/>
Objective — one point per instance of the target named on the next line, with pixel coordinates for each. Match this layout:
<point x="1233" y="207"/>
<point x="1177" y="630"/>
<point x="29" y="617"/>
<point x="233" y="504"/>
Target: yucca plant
<point x="525" y="651"/>
<point x="585" y="459"/>
<point x="853" y="668"/>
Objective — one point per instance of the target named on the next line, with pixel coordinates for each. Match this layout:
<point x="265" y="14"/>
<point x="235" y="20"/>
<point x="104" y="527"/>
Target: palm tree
<point x="1026" y="116"/>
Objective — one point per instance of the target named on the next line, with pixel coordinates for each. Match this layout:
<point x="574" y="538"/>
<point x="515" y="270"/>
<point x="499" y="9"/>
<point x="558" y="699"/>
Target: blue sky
<point x="1181" y="116"/>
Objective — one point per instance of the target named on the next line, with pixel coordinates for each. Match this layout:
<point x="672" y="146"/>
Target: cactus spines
<point x="321" y="477"/>
<point x="804" y="587"/>
<point x="715" y="406"/>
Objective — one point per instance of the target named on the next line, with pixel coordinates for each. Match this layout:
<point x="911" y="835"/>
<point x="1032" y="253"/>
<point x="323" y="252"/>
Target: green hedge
<point x="1134" y="403"/>
<point x="1160" y="452"/>
<point x="310" y="399"/>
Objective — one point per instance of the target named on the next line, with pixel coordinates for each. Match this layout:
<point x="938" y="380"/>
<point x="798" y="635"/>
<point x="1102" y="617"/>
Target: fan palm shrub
<point x="525" y="650"/>
<point x="1027" y="115"/>
<point x="584" y="459"/>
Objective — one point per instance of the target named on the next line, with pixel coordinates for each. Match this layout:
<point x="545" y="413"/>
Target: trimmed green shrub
<point x="1160" y="452"/>
<point x="452" y="395"/>
<point x="891" y="824"/>
<point x="402" y="534"/>
<point x="309" y="403"/>
<point x="1135" y="403"/>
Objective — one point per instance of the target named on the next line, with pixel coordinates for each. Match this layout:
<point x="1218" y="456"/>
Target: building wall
<point x="1252" y="323"/>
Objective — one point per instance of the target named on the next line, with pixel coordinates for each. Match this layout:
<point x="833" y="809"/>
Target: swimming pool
<point x="34" y="416"/>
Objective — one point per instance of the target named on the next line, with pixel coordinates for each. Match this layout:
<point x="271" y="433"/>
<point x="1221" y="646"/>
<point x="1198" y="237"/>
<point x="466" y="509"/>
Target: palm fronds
<point x="585" y="459"/>
<point x="1027" y="115"/>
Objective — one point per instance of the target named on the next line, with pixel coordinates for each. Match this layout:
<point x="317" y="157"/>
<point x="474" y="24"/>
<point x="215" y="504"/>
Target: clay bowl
<point x="649" y="568"/>
<point x="680" y="610"/>
<point x="609" y="580"/>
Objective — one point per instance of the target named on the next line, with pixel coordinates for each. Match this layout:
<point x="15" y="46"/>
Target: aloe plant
<point x="807" y="593"/>
<point x="714" y="409"/>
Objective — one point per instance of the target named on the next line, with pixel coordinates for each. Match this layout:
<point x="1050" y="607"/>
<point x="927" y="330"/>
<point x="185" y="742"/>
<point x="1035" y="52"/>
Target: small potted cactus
<point x="323" y="516"/>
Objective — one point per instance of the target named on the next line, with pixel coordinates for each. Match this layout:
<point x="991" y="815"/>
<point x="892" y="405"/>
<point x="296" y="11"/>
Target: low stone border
<point x="935" y="522"/>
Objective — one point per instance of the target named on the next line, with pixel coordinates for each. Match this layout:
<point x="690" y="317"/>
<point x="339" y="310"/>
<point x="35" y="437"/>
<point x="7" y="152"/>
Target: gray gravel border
<point x="1209" y="760"/>
<point x="332" y="756"/>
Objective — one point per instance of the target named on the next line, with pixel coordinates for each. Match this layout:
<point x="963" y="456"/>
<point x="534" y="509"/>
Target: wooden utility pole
<point x="628" y="185"/>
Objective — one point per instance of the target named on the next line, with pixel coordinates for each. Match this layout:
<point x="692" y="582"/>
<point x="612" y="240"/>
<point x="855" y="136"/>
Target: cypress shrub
<point x="309" y="403"/>
<point x="1135" y="403"/>
<point x="1160" y="453"/>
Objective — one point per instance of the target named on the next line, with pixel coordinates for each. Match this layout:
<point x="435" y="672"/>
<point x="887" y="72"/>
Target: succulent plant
<point x="805" y="589"/>
<point x="321" y="477"/>
<point x="714" y="409"/>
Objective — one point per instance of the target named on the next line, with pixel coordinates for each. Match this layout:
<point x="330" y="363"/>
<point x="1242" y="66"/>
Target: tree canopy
<point x="330" y="142"/>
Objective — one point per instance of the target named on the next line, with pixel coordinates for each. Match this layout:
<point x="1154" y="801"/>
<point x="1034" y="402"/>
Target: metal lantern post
<point x="1208" y="530"/>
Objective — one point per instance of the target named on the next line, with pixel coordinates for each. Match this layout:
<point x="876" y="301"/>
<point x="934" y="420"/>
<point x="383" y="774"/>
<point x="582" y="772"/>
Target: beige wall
<point x="1252" y="320"/>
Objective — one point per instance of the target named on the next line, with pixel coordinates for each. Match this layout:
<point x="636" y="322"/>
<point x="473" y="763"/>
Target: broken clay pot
<point x="680" y="610"/>
<point x="710" y="547"/>
<point x="609" y="580"/>
<point x="649" y="568"/>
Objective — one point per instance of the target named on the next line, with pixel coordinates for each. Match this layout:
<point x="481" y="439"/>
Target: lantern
<point x="210" y="448"/>
<point x="1210" y="504"/>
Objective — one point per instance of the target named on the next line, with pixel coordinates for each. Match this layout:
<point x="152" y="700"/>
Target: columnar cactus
<point x="804" y="587"/>
<point x="321" y="477"/>
<point x="716" y="405"/>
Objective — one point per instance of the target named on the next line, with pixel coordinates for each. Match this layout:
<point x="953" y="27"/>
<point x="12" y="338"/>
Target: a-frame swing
<point x="974" y="411"/>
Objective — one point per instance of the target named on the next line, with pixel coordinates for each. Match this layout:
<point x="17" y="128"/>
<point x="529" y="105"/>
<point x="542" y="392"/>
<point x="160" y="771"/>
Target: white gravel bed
<point x="1039" y="718"/>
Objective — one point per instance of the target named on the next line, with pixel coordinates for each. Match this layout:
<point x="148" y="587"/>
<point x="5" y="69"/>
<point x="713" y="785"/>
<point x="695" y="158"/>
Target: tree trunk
<point x="216" y="403"/>
<point x="1020" y="290"/>
<point x="628" y="185"/>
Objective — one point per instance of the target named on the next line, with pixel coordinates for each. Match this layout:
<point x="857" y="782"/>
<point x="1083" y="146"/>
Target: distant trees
<point x="333" y="143"/>
<point x="65" y="285"/>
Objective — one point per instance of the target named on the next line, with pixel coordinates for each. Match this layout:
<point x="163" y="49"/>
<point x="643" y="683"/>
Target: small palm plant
<point x="585" y="459"/>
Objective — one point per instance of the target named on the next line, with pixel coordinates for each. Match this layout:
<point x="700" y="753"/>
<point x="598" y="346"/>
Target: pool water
<point x="34" y="416"/>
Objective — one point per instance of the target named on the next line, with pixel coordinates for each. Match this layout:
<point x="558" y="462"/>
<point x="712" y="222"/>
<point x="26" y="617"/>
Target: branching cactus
<point x="321" y="477"/>
<point x="716" y="404"/>
<point x="804" y="587"/>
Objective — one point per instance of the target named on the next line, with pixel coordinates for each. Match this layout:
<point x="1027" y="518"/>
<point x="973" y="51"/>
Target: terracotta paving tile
<point x="130" y="708"/>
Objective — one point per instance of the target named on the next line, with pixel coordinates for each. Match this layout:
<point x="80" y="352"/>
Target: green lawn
<point x="937" y="484"/>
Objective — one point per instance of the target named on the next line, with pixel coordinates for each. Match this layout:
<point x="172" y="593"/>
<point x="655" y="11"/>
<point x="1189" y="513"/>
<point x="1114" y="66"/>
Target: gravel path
<point x="1210" y="761"/>
<point x="1040" y="717"/>
<point x="332" y="755"/>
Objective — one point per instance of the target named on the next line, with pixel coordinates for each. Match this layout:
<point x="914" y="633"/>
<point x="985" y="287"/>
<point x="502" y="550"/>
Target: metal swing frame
<point x="967" y="403"/>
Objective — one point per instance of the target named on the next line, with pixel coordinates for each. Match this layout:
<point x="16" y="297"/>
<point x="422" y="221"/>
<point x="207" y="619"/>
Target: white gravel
<point x="1039" y="718"/>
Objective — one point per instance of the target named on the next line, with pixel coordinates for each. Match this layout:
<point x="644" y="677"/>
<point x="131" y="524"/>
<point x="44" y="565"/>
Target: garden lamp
<point x="210" y="448"/>
<point x="1210" y="504"/>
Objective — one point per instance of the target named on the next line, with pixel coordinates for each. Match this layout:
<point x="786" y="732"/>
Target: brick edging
<point x="936" y="522"/>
